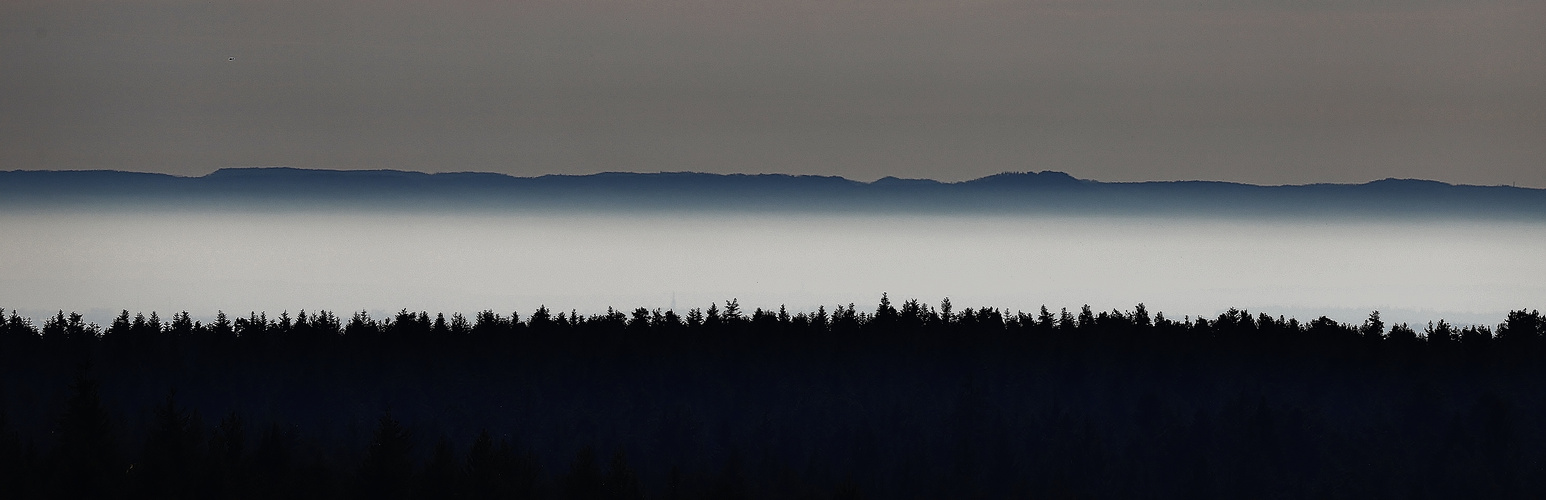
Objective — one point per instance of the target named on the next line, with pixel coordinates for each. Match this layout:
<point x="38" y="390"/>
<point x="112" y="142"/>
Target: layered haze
<point x="275" y="240"/>
<point x="98" y="262"/>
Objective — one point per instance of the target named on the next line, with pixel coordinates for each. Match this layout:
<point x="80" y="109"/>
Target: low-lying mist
<point x="167" y="261"/>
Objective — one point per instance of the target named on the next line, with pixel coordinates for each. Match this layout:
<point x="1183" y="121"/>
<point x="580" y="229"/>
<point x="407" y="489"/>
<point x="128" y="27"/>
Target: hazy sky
<point x="1261" y="91"/>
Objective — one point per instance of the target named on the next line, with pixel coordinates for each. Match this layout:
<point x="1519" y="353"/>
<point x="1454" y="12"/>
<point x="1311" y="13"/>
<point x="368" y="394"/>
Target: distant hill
<point x="1011" y="192"/>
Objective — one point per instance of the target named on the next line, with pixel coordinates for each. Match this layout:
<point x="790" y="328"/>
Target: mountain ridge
<point x="236" y="172"/>
<point x="1046" y="191"/>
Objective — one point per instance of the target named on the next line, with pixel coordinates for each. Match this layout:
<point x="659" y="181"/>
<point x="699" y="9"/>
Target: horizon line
<point x="888" y="178"/>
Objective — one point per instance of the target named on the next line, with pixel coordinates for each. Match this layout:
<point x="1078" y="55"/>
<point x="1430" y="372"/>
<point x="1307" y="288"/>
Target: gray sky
<point x="1261" y="91"/>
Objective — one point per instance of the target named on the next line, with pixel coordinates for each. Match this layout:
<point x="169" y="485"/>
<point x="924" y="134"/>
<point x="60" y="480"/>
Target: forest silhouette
<point x="902" y="401"/>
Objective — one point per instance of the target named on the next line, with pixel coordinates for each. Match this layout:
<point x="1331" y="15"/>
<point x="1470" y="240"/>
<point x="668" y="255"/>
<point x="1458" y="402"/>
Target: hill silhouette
<point x="1010" y="192"/>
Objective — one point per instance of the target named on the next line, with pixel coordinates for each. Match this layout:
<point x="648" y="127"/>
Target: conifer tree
<point x="86" y="463"/>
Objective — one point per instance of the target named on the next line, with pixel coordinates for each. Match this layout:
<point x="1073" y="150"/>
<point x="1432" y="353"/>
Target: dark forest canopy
<point x="1010" y="192"/>
<point x="903" y="400"/>
<point x="887" y="320"/>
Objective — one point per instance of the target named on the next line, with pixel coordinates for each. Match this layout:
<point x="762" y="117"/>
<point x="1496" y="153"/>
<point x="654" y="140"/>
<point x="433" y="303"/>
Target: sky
<point x="1257" y="91"/>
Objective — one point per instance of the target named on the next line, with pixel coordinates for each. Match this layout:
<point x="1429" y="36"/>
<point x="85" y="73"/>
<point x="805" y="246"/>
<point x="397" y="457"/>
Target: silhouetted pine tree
<point x="388" y="466"/>
<point x="584" y="480"/>
<point x="226" y="467"/>
<point x="496" y="470"/>
<point x="170" y="466"/>
<point x="273" y="463"/>
<point x="442" y="476"/>
<point x="85" y="461"/>
<point x="18" y="463"/>
<point x="620" y="482"/>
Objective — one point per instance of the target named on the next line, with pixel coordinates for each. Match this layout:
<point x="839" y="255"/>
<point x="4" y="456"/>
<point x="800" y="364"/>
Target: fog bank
<point x="168" y="261"/>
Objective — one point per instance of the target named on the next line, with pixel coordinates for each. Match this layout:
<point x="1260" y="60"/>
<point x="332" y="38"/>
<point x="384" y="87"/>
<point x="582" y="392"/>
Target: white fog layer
<point x="97" y="264"/>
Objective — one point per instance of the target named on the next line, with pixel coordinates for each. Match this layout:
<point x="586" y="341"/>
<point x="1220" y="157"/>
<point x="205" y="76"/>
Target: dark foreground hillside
<point x="902" y="402"/>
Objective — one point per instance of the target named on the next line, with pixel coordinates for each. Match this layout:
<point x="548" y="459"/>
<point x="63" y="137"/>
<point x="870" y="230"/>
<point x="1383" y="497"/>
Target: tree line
<point x="905" y="400"/>
<point x="1520" y="329"/>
